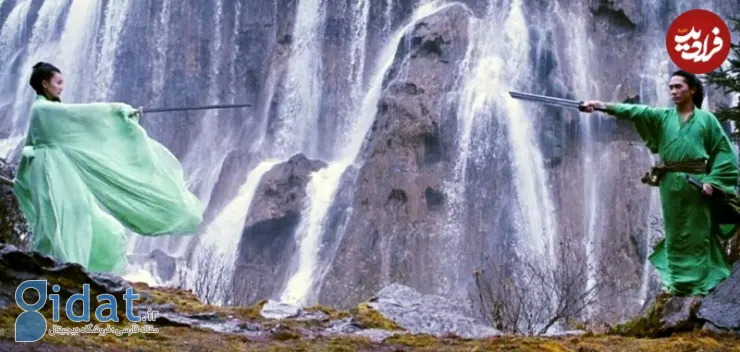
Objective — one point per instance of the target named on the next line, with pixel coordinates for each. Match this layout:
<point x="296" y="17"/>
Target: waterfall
<point x="653" y="230"/>
<point x="577" y="50"/>
<point x="68" y="51"/>
<point x="79" y="39"/>
<point x="324" y="183"/>
<point x="299" y="111"/>
<point x="319" y="194"/>
<point x="40" y="48"/>
<point x="159" y="62"/>
<point x="212" y="264"/>
<point x="11" y="39"/>
<point x="388" y="23"/>
<point x="483" y="68"/>
<point x="115" y="17"/>
<point x="205" y="156"/>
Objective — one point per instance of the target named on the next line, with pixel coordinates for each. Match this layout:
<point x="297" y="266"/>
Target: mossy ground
<point x="289" y="337"/>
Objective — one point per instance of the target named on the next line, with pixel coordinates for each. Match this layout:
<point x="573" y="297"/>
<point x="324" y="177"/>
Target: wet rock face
<point x="267" y="242"/>
<point x="397" y="193"/>
<point x="427" y="314"/>
<point x="13" y="226"/>
<point x="17" y="266"/>
<point x="721" y="308"/>
<point x="415" y="312"/>
<point x="718" y="312"/>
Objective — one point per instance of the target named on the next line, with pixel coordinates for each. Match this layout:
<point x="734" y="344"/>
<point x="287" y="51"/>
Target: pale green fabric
<point x="88" y="170"/>
<point x="690" y="259"/>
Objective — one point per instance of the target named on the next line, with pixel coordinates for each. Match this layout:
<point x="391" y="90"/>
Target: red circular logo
<point x="698" y="41"/>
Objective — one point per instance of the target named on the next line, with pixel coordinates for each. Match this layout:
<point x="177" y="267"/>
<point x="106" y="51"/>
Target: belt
<point x="653" y="177"/>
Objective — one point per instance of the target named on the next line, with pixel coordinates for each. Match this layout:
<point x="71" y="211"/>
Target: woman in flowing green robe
<point x="87" y="171"/>
<point x="690" y="259"/>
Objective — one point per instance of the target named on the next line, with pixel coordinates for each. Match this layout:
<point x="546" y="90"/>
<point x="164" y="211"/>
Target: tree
<point x="531" y="297"/>
<point x="728" y="80"/>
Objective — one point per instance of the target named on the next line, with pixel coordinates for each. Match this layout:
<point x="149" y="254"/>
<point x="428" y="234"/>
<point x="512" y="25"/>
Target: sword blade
<point x="204" y="107"/>
<point x="546" y="100"/>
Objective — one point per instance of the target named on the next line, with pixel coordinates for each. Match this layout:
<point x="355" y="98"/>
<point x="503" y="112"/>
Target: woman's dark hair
<point x="42" y="71"/>
<point x="695" y="83"/>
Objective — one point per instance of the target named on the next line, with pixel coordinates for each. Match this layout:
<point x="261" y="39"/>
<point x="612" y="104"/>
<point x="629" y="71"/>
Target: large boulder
<point x="427" y="314"/>
<point x="17" y="266"/>
<point x="721" y="308"/>
<point x="397" y="197"/>
<point x="267" y="241"/>
<point x="719" y="311"/>
<point x="13" y="226"/>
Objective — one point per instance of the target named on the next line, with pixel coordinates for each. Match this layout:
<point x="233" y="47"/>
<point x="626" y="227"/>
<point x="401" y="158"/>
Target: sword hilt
<point x="596" y="108"/>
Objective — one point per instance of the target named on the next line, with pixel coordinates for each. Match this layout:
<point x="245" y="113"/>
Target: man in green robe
<point x="88" y="170"/>
<point x="690" y="141"/>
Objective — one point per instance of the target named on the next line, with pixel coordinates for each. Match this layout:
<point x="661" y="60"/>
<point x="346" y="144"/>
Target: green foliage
<point x="728" y="81"/>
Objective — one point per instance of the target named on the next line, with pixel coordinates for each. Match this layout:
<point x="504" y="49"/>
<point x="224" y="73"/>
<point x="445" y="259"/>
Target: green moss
<point x="332" y="313"/>
<point x="289" y="338"/>
<point x="286" y="334"/>
<point x="412" y="340"/>
<point x="646" y="325"/>
<point x="372" y="319"/>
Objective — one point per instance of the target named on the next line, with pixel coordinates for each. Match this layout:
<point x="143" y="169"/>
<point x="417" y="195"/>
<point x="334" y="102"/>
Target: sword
<point x="553" y="101"/>
<point x="204" y="107"/>
<point x="716" y="193"/>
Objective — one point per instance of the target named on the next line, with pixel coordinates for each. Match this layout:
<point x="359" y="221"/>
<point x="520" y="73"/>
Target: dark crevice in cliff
<point x="614" y="15"/>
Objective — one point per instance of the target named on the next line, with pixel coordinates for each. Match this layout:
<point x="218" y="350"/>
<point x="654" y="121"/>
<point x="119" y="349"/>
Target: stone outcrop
<point x="398" y="196"/>
<point x="267" y="242"/>
<point x="721" y="308"/>
<point x="717" y="312"/>
<point x="13" y="226"/>
<point x="427" y="314"/>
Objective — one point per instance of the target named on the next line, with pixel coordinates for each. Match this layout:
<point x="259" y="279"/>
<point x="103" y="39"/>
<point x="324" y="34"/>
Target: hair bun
<point x="38" y="64"/>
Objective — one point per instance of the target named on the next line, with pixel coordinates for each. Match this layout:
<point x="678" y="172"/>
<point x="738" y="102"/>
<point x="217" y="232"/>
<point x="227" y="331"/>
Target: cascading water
<point x="79" y="38"/>
<point x="76" y="40"/>
<point x="324" y="183"/>
<point x="578" y="53"/>
<point x="483" y="68"/>
<point x="212" y="263"/>
<point x="40" y="48"/>
<point x="11" y="39"/>
<point x="388" y="16"/>
<point x="299" y="110"/>
<point x="159" y="60"/>
<point x="114" y="20"/>
<point x="653" y="230"/>
<point x="205" y="156"/>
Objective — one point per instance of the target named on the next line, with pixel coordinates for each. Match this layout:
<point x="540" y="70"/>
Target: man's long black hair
<point x="693" y="81"/>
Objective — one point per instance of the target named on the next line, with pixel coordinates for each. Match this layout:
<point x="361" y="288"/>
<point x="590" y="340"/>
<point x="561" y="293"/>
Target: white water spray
<point x="159" y="62"/>
<point x="483" y="68"/>
<point x="78" y="40"/>
<point x="115" y="17"/>
<point x="39" y="49"/>
<point x="299" y="111"/>
<point x="214" y="260"/>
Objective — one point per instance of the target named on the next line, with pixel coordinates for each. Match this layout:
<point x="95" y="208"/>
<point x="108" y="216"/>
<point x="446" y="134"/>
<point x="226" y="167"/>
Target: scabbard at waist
<point x="657" y="172"/>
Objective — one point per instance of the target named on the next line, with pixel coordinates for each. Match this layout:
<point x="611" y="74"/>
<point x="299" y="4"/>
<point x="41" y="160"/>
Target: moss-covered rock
<point x="372" y="319"/>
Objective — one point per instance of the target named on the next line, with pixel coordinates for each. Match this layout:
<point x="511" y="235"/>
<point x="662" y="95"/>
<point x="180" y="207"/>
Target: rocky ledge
<point x="396" y="319"/>
<point x="718" y="312"/>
